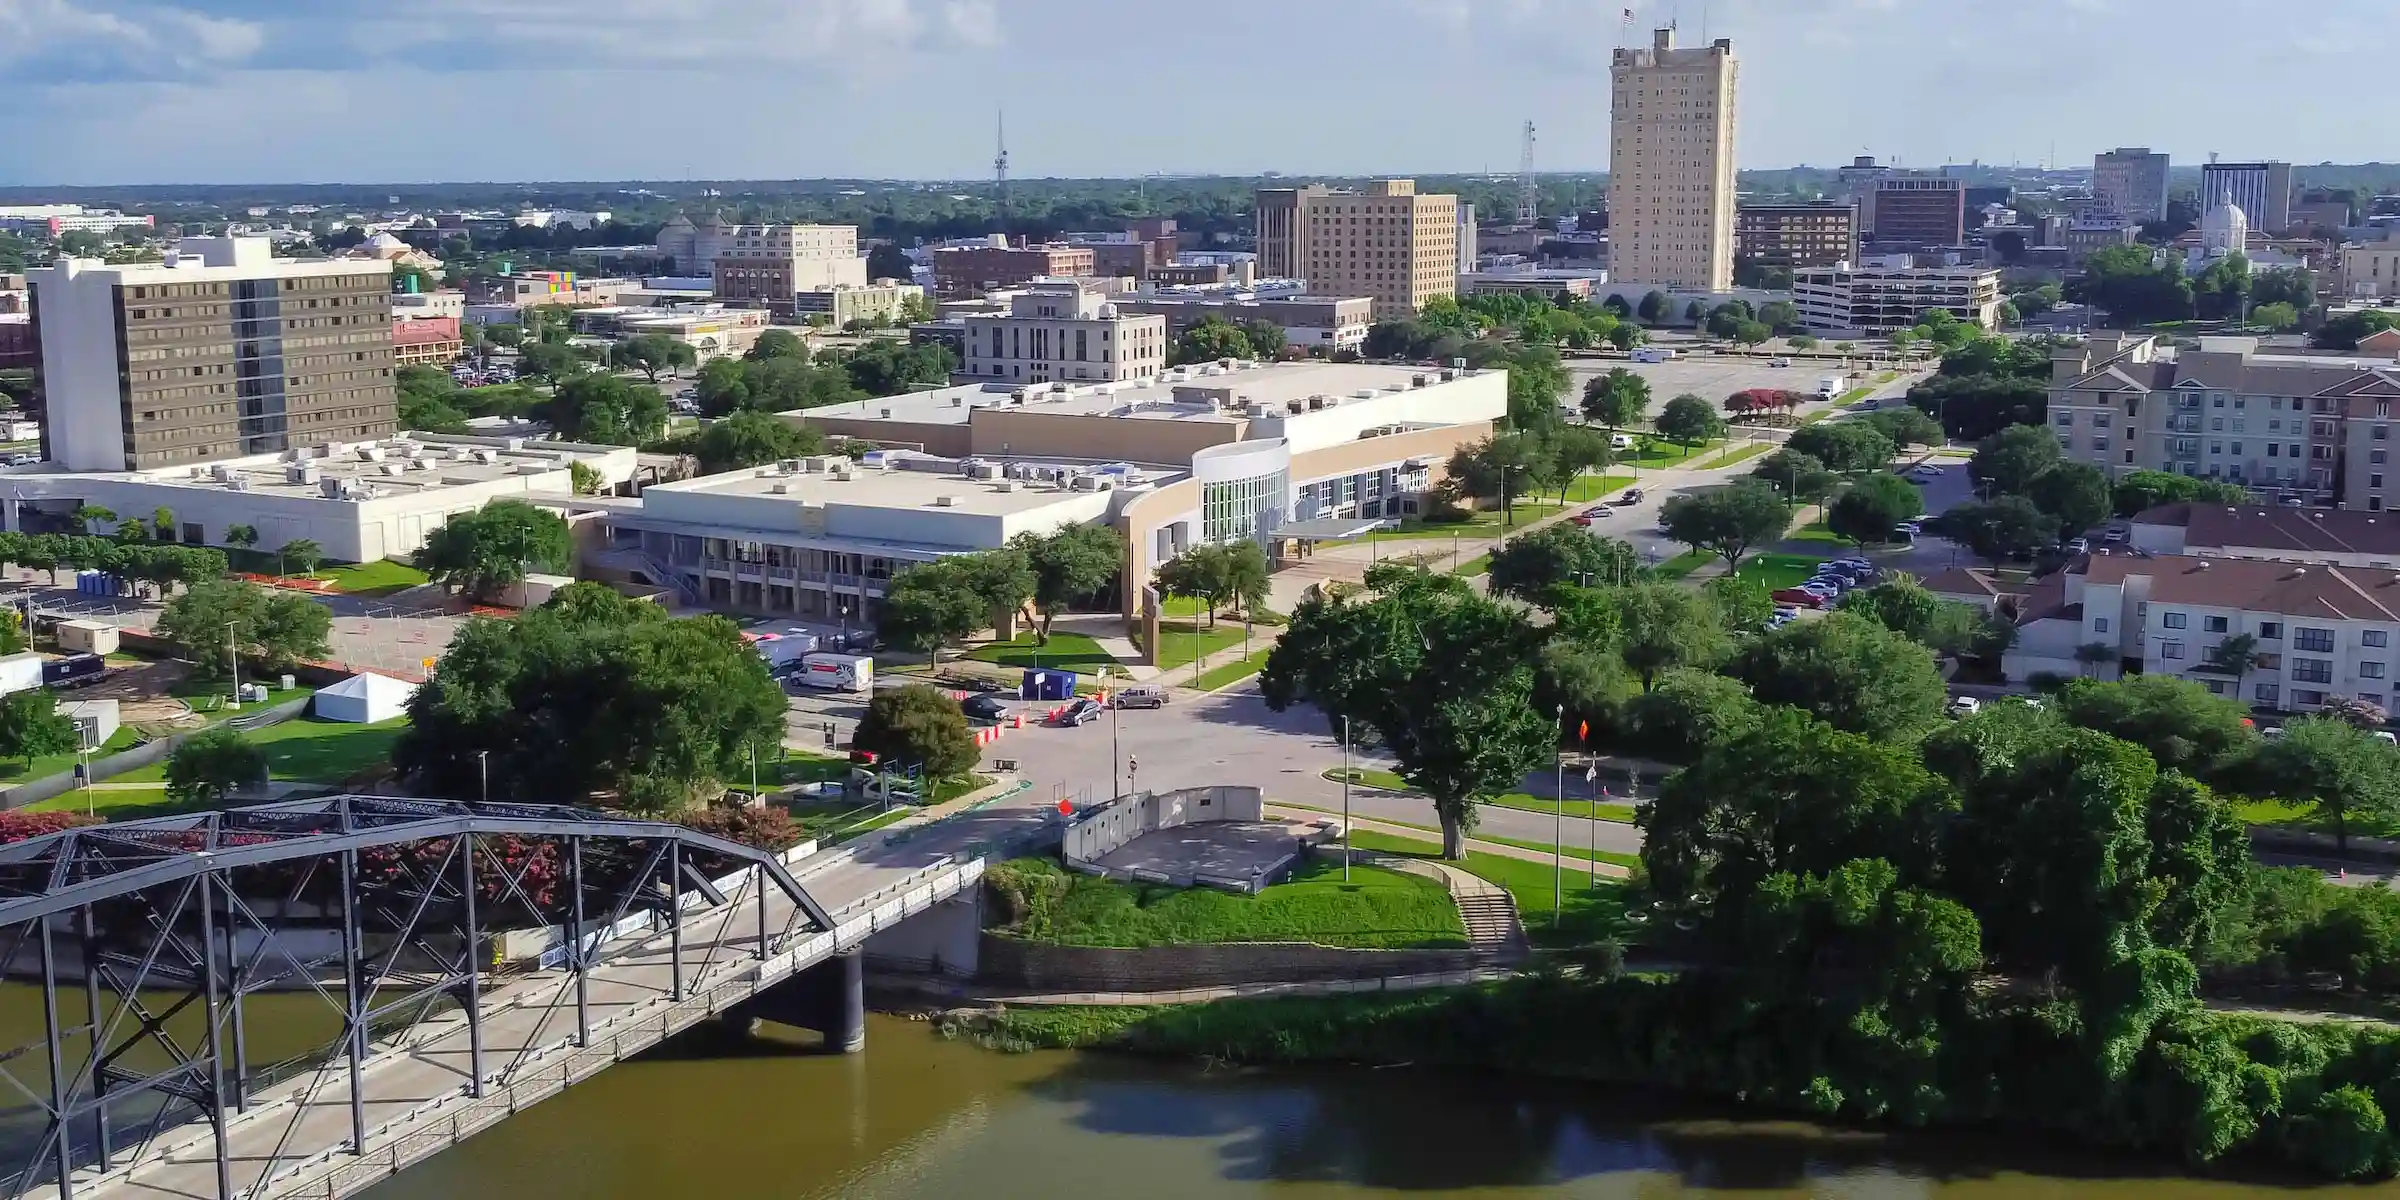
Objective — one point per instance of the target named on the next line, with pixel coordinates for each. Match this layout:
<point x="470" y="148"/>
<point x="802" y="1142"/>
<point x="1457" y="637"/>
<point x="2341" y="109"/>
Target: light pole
<point x="233" y="657"/>
<point x="1558" y="832"/>
<point x="1345" y="799"/>
<point x="1116" y="724"/>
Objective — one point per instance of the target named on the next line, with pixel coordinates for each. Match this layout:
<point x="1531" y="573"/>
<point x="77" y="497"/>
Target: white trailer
<point x="837" y="672"/>
<point x="20" y="671"/>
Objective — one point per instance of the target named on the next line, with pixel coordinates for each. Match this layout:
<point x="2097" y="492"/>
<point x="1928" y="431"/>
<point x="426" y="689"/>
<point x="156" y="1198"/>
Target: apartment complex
<point x="2131" y="182"/>
<point x="1272" y="453"/>
<point x="2323" y="632"/>
<point x="967" y="272"/>
<point x="1389" y="243"/>
<point x="1821" y="234"/>
<point x="1064" y="330"/>
<point x="2263" y="190"/>
<point x="1876" y="300"/>
<point x="1917" y="211"/>
<point x="220" y="351"/>
<point x="1333" y="322"/>
<point x="2334" y="537"/>
<point x="2299" y="426"/>
<point x="1671" y="165"/>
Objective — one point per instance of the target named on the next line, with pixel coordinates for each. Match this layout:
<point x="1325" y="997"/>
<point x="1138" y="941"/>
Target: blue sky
<point x="223" y="91"/>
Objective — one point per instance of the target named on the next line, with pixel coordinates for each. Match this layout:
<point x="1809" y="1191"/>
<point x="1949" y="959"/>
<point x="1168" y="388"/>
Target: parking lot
<point x="1712" y="379"/>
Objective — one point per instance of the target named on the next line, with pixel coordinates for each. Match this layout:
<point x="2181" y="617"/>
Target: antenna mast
<point x="1528" y="196"/>
<point x="1000" y="170"/>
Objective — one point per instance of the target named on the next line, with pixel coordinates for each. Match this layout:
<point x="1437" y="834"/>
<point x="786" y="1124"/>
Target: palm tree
<point x="301" y="553"/>
<point x="2092" y="654"/>
<point x="2234" y="656"/>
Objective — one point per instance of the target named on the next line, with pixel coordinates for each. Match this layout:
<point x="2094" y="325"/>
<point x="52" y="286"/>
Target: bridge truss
<point x="146" y="937"/>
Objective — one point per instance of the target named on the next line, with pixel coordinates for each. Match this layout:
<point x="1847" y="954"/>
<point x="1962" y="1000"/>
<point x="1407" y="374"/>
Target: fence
<point x="34" y="791"/>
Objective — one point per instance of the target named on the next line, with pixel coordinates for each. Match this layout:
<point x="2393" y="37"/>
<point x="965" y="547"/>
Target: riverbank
<point x="2206" y="1088"/>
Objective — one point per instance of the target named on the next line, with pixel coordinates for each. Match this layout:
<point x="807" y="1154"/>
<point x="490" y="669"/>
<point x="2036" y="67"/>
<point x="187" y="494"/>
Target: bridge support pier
<point x="830" y="998"/>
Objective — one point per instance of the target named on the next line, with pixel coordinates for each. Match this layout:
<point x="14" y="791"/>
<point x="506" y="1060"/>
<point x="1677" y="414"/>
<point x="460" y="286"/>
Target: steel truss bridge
<point x="436" y="935"/>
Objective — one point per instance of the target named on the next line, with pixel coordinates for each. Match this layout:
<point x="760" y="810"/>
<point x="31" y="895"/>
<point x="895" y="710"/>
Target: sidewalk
<point x="1475" y="844"/>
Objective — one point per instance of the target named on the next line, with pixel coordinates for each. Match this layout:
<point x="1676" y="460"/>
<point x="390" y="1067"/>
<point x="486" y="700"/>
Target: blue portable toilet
<point x="1044" y="684"/>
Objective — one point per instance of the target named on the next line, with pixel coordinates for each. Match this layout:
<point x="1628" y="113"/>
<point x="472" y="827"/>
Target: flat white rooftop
<point x="934" y="490"/>
<point x="1273" y="384"/>
<point x="417" y="465"/>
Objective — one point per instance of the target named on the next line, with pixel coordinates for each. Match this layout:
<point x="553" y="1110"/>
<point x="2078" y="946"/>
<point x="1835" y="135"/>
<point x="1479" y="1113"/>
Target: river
<point x="711" y="1117"/>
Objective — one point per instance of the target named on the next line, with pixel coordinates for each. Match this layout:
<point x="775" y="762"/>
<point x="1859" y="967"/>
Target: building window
<point x="2374" y="637"/>
<point x="2307" y="699"/>
<point x="2370" y="670"/>
<point x="2270" y="631"/>
<point x="2314" y="641"/>
<point x="2170" y="649"/>
<point x="2099" y="624"/>
<point x="2213" y="624"/>
<point x="2267" y="693"/>
<point x="2173" y="620"/>
<point x="2312" y="670"/>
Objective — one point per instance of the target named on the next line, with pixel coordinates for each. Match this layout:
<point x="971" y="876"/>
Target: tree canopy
<point x="485" y="552"/>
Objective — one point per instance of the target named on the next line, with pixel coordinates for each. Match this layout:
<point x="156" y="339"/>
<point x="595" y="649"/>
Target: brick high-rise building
<point x="1820" y="234"/>
<point x="1390" y="243"/>
<point x="2131" y="182"/>
<point x="966" y="272"/>
<point x="1913" y="211"/>
<point x="1671" y="165"/>
<point x="221" y="351"/>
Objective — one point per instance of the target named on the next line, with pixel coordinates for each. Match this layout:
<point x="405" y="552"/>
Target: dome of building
<point x="2225" y="229"/>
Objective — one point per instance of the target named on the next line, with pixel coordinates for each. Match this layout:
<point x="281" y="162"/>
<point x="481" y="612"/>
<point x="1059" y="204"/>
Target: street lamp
<point x="1558" y="831"/>
<point x="233" y="657"/>
<point x="1345" y="799"/>
<point x="1116" y="723"/>
<point x="483" y="770"/>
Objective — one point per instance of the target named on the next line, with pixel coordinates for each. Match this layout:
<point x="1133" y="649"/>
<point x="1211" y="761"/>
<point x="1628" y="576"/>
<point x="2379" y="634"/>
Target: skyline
<point x="126" y="92"/>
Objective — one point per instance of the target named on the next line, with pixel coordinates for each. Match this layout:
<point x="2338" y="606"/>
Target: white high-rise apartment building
<point x="1670" y="165"/>
<point x="2131" y="181"/>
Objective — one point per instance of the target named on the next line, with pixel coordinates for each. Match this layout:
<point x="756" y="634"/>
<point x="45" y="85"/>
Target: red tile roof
<point x="424" y="331"/>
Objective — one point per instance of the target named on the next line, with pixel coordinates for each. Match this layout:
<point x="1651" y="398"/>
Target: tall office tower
<point x="221" y="351"/>
<point x="1670" y="165"/>
<point x="1467" y="239"/>
<point x="1914" y="212"/>
<point x="1388" y="243"/>
<point x="2131" y="181"/>
<point x="2263" y="190"/>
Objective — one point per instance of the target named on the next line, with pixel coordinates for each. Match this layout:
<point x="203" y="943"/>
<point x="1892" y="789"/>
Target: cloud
<point x="471" y="34"/>
<point x="53" y="41"/>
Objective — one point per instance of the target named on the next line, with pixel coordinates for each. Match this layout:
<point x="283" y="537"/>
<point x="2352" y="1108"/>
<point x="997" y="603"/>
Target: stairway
<point x="1493" y="930"/>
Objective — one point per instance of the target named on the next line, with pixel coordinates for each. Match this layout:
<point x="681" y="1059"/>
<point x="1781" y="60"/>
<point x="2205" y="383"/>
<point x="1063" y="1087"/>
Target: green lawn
<point x="1815" y="531"/>
<point x="1481" y="524"/>
<point x="1853" y="397"/>
<point x="1233" y="672"/>
<point x="1588" y="488"/>
<point x="1177" y="647"/>
<point x="1742" y="455"/>
<point x="1588" y="914"/>
<point x="1603" y="810"/>
<point x="1481" y="564"/>
<point x="1376" y="909"/>
<point x="1663" y="453"/>
<point x="16" y="769"/>
<point x="1364" y="777"/>
<point x="113" y="803"/>
<point x="1683" y="564"/>
<point x="1778" y="571"/>
<point x="1065" y="651"/>
<point x="307" y="750"/>
<point x="379" y="578"/>
<point x="2304" y="816"/>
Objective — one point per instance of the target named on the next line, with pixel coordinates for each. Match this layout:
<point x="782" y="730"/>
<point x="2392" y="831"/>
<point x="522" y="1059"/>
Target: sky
<point x="102" y="92"/>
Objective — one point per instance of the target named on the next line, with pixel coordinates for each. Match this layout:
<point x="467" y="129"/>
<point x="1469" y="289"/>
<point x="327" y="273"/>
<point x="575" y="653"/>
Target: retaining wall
<point x="1045" y="967"/>
<point x="1106" y="828"/>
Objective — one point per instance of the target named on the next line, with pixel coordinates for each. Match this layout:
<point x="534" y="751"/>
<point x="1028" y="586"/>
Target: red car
<point x="1585" y="517"/>
<point x="1798" y="598"/>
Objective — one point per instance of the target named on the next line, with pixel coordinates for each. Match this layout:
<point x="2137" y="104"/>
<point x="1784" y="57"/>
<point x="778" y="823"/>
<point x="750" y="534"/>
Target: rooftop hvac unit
<point x="1417" y="381"/>
<point x="781" y="489"/>
<point x="958" y="401"/>
<point x="370" y="454"/>
<point x="983" y="470"/>
<point x="789" y="466"/>
<point x="1060" y="386"/>
<point x="299" y="473"/>
<point x="487" y="456"/>
<point x="393" y="468"/>
<point x="223" y="473"/>
<point x="239" y="483"/>
<point x="1316" y="403"/>
<point x="945" y="501"/>
<point x="1260" y="412"/>
<point x="296" y="454"/>
<point x="842" y="471"/>
<point x="331" y="450"/>
<point x="816" y="462"/>
<point x="420" y="463"/>
<point x="199" y="472"/>
<point x="531" y="468"/>
<point x="1363" y="394"/>
<point x="514" y="443"/>
<point x="331" y="488"/>
<point x="1007" y="485"/>
<point x="885" y="413"/>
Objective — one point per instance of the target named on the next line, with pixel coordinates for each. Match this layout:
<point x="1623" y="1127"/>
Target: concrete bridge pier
<point x="830" y="998"/>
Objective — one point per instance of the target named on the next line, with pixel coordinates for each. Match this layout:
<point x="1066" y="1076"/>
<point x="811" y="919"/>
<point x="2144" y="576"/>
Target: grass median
<point x="1376" y="909"/>
<point x="1228" y="674"/>
<point x="1588" y="914"/>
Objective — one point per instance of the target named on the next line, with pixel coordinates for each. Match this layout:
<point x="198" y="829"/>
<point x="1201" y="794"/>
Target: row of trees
<point x="944" y="602"/>
<point x="1214" y="337"/>
<point x="162" y="565"/>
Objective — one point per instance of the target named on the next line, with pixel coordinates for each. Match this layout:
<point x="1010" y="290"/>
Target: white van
<point x="1652" y="354"/>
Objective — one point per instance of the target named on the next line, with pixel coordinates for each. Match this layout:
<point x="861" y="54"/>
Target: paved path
<point x="528" y="1034"/>
<point x="1501" y="849"/>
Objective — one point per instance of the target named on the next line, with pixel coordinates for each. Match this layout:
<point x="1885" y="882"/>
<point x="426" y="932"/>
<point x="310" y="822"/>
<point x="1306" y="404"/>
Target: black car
<point x="983" y="708"/>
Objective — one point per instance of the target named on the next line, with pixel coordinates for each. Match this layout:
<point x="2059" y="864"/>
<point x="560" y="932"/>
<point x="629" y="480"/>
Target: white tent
<point x="365" y="699"/>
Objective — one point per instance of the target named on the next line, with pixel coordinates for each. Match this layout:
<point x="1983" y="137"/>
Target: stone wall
<point x="1106" y="828"/>
<point x="1046" y="967"/>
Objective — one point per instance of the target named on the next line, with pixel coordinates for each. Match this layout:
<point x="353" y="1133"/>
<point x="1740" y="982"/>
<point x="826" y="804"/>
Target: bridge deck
<point x="294" y="1141"/>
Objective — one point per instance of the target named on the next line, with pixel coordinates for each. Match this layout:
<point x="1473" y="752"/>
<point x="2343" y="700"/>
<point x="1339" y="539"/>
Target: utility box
<point x="87" y="637"/>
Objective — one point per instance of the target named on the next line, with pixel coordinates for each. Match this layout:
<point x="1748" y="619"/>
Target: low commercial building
<point x="1276" y="454"/>
<point x="1560" y="284"/>
<point x="965" y="272"/>
<point x="20" y="348"/>
<point x="1877" y="300"/>
<point x="882" y="300"/>
<point x="1332" y="322"/>
<point x="1065" y="330"/>
<point x="2371" y="270"/>
<point x="426" y="342"/>
<point x="711" y="330"/>
<point x="2323" y="632"/>
<point x="56" y="219"/>
<point x="361" y="501"/>
<point x="414" y="306"/>
<point x="2082" y="237"/>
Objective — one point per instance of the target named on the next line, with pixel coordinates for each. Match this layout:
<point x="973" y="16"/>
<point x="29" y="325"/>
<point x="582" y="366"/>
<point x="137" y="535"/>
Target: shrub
<point x="767" y="827"/>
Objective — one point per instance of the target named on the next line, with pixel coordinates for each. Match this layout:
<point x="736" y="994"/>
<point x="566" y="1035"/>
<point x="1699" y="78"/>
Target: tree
<point x="1877" y="502"/>
<point x="1069" y="564"/>
<point x="1844" y="446"/>
<point x="2182" y="724"/>
<point x="211" y="765"/>
<point x="1653" y="308"/>
<point x="88" y="515"/>
<point x="886" y="260"/>
<point x="928" y="606"/>
<point x="505" y="334"/>
<point x="1688" y="420"/>
<point x="2277" y="317"/>
<point x="1727" y="521"/>
<point x="1661" y="626"/>
<point x="1502" y="467"/>
<point x="1217" y="574"/>
<point x="1616" y="399"/>
<point x="1440" y="676"/>
<point x="606" y="410"/>
<point x="1779" y="315"/>
<point x="2095" y="654"/>
<point x="584" y="479"/>
<point x="2009" y="527"/>
<point x="2133" y="287"/>
<point x="1798" y="477"/>
<point x="774" y="343"/>
<point x="592" y="697"/>
<point x="31" y="726"/>
<point x="1752" y="333"/>
<point x="2139" y="491"/>
<point x="301" y="554"/>
<point x="2345" y="331"/>
<point x="2293" y="287"/>
<point x="2236" y="656"/>
<point x="1906" y="427"/>
<point x="1849" y="671"/>
<point x="1212" y="337"/>
<point x="918" y="726"/>
<point x="1537" y="380"/>
<point x="651" y="353"/>
<point x="2222" y="289"/>
<point x="545" y="360"/>
<point x="750" y="438"/>
<point x="1975" y="407"/>
<point x="216" y="616"/>
<point x="1530" y="566"/>
<point x="2075" y="494"/>
<point x="1576" y="450"/>
<point x="1688" y="711"/>
<point x="889" y="368"/>
<point x="485" y="552"/>
<point x="1745" y="605"/>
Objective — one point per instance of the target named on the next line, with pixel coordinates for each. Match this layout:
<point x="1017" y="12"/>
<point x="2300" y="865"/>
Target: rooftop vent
<point x="945" y="501"/>
<point x="1006" y="485"/>
<point x="958" y="401"/>
<point x="781" y="489"/>
<point x="370" y="454"/>
<point x="885" y="413"/>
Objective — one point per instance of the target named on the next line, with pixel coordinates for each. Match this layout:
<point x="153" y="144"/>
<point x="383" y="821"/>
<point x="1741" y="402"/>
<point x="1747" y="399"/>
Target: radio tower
<point x="1528" y="196"/>
<point x="1000" y="171"/>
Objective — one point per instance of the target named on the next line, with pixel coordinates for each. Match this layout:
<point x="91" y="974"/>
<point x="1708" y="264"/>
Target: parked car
<point x="2116" y="536"/>
<point x="1631" y="496"/>
<point x="1779" y="361"/>
<point x="1083" y="711"/>
<point x="1588" y="515"/>
<point x="1797" y="597"/>
<point x="2079" y="546"/>
<point x="1964" y="706"/>
<point x="1140" y="697"/>
<point x="984" y="708"/>
<point x="1904" y="533"/>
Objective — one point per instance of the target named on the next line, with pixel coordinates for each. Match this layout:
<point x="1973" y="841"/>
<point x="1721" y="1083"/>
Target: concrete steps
<point x="1493" y="930"/>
